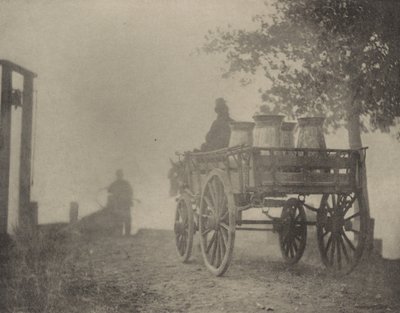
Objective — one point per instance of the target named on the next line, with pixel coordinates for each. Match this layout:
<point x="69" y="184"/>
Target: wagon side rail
<point x="235" y="161"/>
<point x="308" y="171"/>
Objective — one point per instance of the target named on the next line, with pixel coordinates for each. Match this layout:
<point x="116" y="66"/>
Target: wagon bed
<point x="279" y="170"/>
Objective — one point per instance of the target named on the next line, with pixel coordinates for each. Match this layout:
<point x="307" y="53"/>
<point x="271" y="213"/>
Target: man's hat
<point x="220" y="105"/>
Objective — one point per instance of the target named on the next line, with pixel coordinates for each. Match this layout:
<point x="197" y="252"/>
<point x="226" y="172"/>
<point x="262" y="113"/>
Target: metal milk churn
<point x="287" y="134"/>
<point x="241" y="134"/>
<point x="267" y="132"/>
<point x="311" y="133"/>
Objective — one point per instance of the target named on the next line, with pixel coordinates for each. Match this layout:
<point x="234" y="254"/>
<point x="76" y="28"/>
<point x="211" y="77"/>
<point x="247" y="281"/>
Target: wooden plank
<point x="305" y="162"/>
<point x="17" y="68"/>
<point x="304" y="178"/>
<point x="312" y="189"/>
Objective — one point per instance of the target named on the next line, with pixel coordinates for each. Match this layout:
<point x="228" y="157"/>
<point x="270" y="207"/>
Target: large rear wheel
<point x="342" y="229"/>
<point x="217" y="222"/>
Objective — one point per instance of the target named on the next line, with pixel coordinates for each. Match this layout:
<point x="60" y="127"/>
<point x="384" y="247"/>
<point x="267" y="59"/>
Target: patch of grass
<point x="35" y="270"/>
<point x="39" y="272"/>
<point x="52" y="271"/>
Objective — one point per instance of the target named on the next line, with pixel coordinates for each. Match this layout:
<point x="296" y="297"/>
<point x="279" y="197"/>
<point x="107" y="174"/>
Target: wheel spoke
<point x="211" y="242"/>
<point x="348" y="241"/>
<point x="333" y="249"/>
<point x="224" y="215"/>
<point x="344" y="249"/>
<point x="223" y="245"/>
<point x="328" y="244"/>
<point x="339" y="255"/>
<point x="224" y="226"/>
<point x="334" y="202"/>
<point x="352" y="216"/>
<point x="223" y="209"/>
<point x="349" y="204"/>
<point x="294" y="246"/>
<point x="213" y="195"/>
<point x="218" y="194"/>
<point x="204" y="233"/>
<point x="224" y="236"/>
<point x="218" y="259"/>
<point x="292" y="254"/>
<point x="214" y="250"/>
<point x="180" y="244"/>
<point x="286" y="249"/>
<point x="208" y="201"/>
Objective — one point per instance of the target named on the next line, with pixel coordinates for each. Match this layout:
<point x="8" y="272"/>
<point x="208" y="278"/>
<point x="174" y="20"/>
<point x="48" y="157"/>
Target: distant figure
<point x="120" y="202"/>
<point x="220" y="132"/>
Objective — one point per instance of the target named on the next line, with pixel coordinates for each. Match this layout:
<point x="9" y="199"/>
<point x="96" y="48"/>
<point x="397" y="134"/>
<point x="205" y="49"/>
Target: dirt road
<point x="141" y="273"/>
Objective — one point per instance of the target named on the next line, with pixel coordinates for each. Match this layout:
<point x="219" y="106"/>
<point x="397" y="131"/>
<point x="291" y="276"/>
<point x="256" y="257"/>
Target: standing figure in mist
<point x="220" y="131"/>
<point x="120" y="201"/>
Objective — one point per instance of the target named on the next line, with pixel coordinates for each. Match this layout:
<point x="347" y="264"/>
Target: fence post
<point x="73" y="212"/>
<point x="30" y="219"/>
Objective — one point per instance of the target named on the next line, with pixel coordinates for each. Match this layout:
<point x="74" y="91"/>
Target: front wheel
<point x="342" y="230"/>
<point x="217" y="222"/>
<point x="293" y="231"/>
<point x="184" y="227"/>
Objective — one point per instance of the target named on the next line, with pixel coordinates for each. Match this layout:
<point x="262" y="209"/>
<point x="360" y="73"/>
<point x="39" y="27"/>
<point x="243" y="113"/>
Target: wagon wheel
<point x="217" y="222"/>
<point x="184" y="227"/>
<point x="293" y="231"/>
<point x="342" y="226"/>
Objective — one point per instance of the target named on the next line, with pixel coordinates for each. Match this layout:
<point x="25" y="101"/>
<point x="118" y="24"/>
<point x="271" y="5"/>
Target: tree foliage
<point x="331" y="57"/>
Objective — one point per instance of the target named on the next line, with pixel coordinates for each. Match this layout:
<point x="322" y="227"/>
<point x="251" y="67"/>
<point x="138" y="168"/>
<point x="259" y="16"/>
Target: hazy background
<point x="120" y="86"/>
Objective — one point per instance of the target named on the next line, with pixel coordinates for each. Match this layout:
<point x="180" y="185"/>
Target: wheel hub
<point x="213" y="221"/>
<point x="179" y="227"/>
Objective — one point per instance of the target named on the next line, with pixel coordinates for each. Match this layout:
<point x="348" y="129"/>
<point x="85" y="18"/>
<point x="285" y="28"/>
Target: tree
<point x="335" y="57"/>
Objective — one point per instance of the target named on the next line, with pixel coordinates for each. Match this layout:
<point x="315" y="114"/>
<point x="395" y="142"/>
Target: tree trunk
<point x="355" y="142"/>
<point x="354" y="129"/>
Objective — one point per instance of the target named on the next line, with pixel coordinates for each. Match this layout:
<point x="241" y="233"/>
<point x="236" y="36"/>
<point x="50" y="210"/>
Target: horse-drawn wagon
<point x="217" y="186"/>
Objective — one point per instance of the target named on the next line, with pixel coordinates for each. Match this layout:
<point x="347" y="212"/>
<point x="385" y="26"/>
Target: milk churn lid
<point x="311" y="121"/>
<point x="273" y="118"/>
<point x="288" y="126"/>
<point x="242" y="125"/>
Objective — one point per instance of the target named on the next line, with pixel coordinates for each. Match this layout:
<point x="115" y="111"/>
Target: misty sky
<point x="120" y="86"/>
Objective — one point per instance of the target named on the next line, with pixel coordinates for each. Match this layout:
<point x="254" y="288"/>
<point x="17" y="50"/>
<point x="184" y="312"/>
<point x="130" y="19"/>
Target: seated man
<point x="220" y="131"/>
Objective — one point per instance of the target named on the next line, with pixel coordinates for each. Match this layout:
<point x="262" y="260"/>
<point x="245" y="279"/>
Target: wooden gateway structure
<point x="10" y="97"/>
<point x="217" y="186"/>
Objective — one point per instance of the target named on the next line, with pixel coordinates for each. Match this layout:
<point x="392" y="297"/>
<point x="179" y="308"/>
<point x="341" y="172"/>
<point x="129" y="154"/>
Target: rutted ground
<point x="142" y="273"/>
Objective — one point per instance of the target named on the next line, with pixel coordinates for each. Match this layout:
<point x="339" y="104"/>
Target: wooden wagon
<point x="217" y="186"/>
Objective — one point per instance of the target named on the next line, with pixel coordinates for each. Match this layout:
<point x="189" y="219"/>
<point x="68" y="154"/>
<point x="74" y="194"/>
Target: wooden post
<point x="370" y="237"/>
<point x="33" y="214"/>
<point x="26" y="149"/>
<point x="5" y="142"/>
<point x="73" y="212"/>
